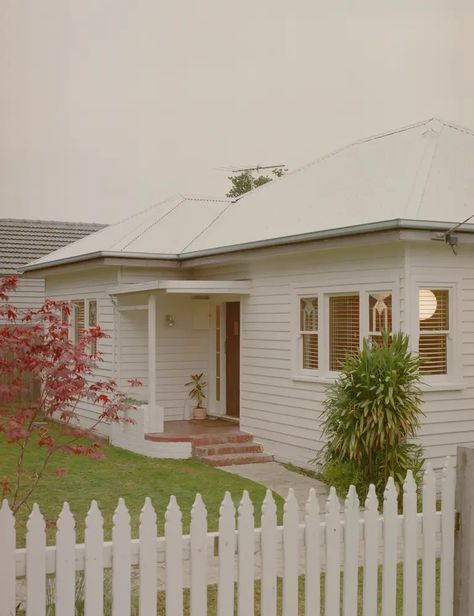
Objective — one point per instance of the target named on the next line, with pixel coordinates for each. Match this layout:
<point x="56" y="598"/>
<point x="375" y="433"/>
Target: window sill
<point x="439" y="386"/>
<point x="303" y="378"/>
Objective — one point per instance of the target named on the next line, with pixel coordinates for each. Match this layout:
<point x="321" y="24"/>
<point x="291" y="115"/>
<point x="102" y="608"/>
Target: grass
<point x="127" y="475"/>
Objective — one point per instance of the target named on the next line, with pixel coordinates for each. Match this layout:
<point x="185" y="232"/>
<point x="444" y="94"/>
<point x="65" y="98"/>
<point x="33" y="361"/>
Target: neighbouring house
<point x="22" y="241"/>
<point x="266" y="295"/>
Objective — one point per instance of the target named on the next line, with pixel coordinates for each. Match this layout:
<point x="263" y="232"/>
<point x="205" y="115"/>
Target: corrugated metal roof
<point x="164" y="229"/>
<point x="22" y="241"/>
<point x="422" y="173"/>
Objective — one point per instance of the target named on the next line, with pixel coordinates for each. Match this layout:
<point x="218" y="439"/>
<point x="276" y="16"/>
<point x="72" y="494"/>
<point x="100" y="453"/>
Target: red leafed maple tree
<point x="35" y="348"/>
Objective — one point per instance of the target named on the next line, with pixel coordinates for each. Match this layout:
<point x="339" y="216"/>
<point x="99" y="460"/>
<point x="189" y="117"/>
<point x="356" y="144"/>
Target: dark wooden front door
<point x="232" y="343"/>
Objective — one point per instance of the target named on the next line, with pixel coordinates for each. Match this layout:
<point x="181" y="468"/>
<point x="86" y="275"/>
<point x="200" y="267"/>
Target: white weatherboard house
<point x="267" y="293"/>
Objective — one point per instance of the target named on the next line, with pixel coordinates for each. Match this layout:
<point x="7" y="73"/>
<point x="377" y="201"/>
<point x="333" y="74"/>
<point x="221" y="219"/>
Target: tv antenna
<point x="448" y="237"/>
<point x="249" y="171"/>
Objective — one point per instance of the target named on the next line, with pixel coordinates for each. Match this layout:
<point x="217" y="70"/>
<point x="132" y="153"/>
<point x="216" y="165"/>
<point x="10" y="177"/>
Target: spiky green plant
<point x="371" y="412"/>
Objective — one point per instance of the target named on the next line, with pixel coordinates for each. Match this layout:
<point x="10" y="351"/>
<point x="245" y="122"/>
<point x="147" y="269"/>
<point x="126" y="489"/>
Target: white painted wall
<point x="90" y="284"/>
<point x="282" y="412"/>
<point x="181" y="350"/>
<point x="29" y="294"/>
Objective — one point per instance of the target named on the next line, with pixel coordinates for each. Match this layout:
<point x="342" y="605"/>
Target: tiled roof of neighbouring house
<point x="22" y="241"/>
<point x="419" y="176"/>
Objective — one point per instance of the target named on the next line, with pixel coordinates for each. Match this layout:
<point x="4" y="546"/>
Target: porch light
<point x="428" y="304"/>
<point x="169" y="320"/>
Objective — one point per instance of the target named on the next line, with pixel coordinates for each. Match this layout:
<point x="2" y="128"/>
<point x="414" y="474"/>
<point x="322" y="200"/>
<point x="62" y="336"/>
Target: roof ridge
<point x="347" y="146"/>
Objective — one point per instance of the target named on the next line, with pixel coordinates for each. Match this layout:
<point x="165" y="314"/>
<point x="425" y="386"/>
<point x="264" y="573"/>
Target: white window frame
<point x="301" y="333"/>
<point x="323" y="293"/>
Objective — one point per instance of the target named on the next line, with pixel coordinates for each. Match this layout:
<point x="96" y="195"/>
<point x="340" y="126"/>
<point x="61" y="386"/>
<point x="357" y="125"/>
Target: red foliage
<point x="35" y="347"/>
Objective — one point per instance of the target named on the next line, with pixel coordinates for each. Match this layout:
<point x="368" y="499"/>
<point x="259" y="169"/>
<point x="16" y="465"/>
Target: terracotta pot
<point x="199" y="413"/>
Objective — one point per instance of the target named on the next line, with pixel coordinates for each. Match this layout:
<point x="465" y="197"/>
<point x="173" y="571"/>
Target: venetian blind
<point x="78" y="318"/>
<point x="309" y="332"/>
<point x="434" y="330"/>
<point x="344" y="329"/>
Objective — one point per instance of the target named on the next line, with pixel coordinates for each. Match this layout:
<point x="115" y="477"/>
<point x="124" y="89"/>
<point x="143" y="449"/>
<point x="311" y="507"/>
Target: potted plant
<point x="196" y="393"/>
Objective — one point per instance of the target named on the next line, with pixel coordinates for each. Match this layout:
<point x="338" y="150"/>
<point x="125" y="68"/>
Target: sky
<point x="110" y="106"/>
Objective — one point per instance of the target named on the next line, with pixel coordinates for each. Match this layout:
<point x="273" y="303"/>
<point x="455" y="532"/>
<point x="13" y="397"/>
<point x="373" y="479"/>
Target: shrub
<point x="370" y="413"/>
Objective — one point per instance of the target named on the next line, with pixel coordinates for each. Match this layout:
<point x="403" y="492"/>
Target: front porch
<point x="166" y="332"/>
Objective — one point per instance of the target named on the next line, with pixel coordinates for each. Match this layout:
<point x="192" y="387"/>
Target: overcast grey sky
<point x="109" y="106"/>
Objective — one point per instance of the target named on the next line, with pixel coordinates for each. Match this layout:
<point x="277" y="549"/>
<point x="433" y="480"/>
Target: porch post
<point x="152" y="406"/>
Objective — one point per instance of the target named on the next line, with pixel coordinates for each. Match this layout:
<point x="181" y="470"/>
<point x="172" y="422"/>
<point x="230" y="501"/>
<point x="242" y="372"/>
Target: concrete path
<point x="279" y="479"/>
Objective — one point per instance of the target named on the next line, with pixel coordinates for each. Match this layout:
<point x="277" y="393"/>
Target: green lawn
<point x="131" y="476"/>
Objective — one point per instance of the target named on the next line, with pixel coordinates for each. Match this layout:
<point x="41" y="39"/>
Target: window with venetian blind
<point x="78" y="318"/>
<point x="344" y="328"/>
<point x="309" y="332"/>
<point x="434" y="324"/>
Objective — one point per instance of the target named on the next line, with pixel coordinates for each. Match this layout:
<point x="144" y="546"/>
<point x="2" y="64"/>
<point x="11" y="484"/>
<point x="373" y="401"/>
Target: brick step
<point x="226" y="448"/>
<point x="236" y="458"/>
<point x="220" y="439"/>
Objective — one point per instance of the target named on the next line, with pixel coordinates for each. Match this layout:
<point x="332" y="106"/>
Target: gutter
<point x="386" y="225"/>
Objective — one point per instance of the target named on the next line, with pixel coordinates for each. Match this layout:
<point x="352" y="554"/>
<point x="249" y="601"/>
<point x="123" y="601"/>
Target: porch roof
<point x="196" y="287"/>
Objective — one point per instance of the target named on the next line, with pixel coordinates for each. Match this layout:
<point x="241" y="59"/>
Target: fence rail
<point x="353" y="541"/>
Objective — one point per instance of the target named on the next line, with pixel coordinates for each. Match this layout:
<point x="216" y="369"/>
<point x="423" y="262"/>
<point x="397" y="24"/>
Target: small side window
<point x="78" y="318"/>
<point x="93" y="322"/>
<point x="380" y="314"/>
<point x="309" y="333"/>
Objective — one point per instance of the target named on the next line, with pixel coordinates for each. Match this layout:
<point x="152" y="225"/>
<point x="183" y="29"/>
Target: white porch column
<point x="155" y="412"/>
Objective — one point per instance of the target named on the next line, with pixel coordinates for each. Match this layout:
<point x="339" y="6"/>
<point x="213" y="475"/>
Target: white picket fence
<point x="329" y="542"/>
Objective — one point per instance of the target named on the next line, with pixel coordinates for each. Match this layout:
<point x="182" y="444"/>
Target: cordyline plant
<point x="35" y="348"/>
<point x="370" y="413"/>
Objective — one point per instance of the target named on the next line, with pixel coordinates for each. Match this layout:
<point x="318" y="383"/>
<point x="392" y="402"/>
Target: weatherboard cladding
<point x="22" y="241"/>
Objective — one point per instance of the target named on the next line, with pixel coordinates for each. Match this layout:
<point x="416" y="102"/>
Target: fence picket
<point x="65" y="563"/>
<point x="246" y="551"/>
<point x="390" y="536"/>
<point x="36" y="564"/>
<point x="147" y="560"/>
<point x="198" y="533"/>
<point x="94" y="563"/>
<point x="290" y="555"/>
<point x="269" y="556"/>
<point x="447" y="539"/>
<point x="174" y="559"/>
<point x="333" y="558"/>
<point x="371" y="543"/>
<point x="429" y="542"/>
<point x="227" y="544"/>
<point x="7" y="560"/>
<point x="121" y="561"/>
<point x="351" y="552"/>
<point x="409" y="545"/>
<point x="312" y="587"/>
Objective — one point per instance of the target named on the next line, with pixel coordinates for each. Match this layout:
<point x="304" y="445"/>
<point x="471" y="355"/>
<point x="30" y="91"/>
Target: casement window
<point x="83" y="314"/>
<point x="434" y="330"/>
<point x="309" y="318"/>
<point x="332" y="325"/>
<point x="380" y="314"/>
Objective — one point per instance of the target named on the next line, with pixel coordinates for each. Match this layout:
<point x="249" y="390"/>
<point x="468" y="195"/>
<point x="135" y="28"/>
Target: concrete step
<point x="236" y="458"/>
<point x="226" y="448"/>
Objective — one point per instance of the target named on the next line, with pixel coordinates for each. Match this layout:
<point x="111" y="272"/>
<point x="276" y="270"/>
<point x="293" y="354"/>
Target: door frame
<point x="219" y="407"/>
